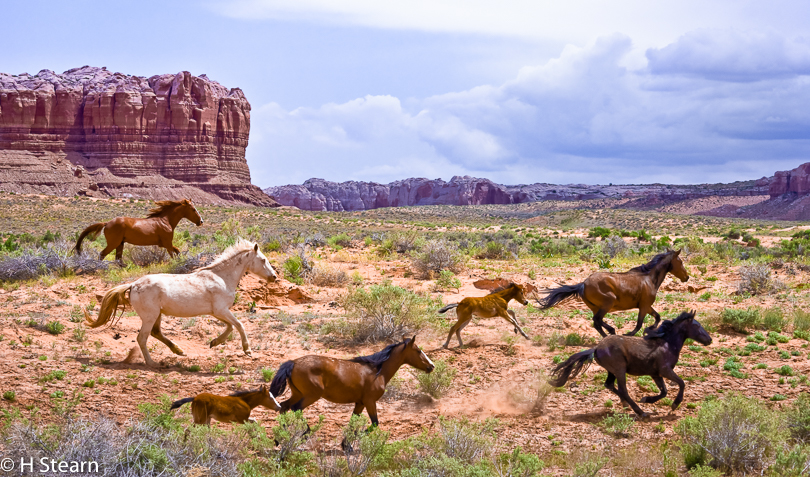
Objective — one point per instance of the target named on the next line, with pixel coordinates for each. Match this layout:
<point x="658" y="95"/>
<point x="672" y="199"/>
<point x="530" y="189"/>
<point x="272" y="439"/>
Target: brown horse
<point x="233" y="408"/>
<point x="156" y="229"/>
<point x="490" y="306"/>
<point x="360" y="381"/>
<point x="655" y="355"/>
<point x="608" y="292"/>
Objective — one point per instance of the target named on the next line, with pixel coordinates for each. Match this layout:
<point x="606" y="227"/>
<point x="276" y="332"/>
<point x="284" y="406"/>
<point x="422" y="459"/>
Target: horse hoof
<point x="248" y="352"/>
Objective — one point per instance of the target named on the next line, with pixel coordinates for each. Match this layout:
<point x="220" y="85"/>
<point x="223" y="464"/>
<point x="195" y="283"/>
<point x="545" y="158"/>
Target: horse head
<point x="260" y="266"/>
<point x="677" y="268"/>
<point x="416" y="357"/>
<point x="695" y="330"/>
<point x="268" y="400"/>
<point x="190" y="212"/>
<point x="519" y="295"/>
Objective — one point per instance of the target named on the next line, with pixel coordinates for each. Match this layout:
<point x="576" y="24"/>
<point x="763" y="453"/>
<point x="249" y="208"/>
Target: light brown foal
<point x="234" y="408"/>
<point x="156" y="229"/>
<point x="493" y="305"/>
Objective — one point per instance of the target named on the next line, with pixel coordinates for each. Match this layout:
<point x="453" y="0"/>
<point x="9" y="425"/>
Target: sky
<point x="517" y="91"/>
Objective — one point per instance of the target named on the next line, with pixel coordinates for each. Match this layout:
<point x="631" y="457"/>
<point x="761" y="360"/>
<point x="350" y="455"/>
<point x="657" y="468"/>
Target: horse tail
<point x="448" y="307"/>
<point x="279" y="383"/>
<point x="114" y="299"/>
<point x="92" y="231"/>
<point x="179" y="403"/>
<point x="572" y="367"/>
<point x="557" y="295"/>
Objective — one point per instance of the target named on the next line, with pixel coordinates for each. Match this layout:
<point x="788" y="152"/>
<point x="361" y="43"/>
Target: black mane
<point x="500" y="289"/>
<point x="667" y="326"/>
<point x="649" y="266"/>
<point x="377" y="359"/>
<point x="242" y="393"/>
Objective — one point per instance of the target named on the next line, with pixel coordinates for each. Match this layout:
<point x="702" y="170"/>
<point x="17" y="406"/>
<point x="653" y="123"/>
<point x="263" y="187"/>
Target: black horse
<point x="655" y="355"/>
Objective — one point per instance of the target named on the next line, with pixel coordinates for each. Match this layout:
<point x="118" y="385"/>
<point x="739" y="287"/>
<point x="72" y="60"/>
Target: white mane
<point x="241" y="246"/>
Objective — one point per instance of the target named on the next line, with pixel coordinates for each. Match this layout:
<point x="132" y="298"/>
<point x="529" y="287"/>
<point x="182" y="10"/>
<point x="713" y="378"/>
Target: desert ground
<point x="54" y="370"/>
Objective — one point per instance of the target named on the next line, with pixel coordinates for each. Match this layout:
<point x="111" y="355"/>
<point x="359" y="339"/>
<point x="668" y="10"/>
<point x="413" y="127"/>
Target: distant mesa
<point x="785" y="196"/>
<point x="93" y="132"/>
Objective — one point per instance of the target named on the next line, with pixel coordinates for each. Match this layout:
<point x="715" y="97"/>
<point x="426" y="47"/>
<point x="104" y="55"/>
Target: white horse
<point x="208" y="290"/>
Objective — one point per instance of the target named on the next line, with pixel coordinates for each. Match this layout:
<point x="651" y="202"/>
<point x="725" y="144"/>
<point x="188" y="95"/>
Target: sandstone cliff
<point x="94" y="132"/>
<point x="318" y="194"/>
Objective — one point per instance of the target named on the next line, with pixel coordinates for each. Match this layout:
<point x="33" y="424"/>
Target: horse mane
<point x="243" y="393"/>
<point x="377" y="359"/>
<point x="164" y="207"/>
<point x="649" y="266"/>
<point x="500" y="289"/>
<point x="241" y="246"/>
<point x="667" y="326"/>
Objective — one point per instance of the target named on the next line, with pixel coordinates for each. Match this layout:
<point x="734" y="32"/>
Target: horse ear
<point x="413" y="341"/>
<point x="677" y="252"/>
<point x="256" y="247"/>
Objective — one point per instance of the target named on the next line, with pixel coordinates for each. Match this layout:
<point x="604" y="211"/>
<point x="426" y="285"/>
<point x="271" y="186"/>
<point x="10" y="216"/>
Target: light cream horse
<point x="208" y="290"/>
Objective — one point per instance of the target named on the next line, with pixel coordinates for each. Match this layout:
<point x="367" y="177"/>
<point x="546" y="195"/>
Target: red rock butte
<point x="93" y="132"/>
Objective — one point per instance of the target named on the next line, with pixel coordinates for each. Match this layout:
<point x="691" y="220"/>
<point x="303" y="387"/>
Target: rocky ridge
<point x="90" y="131"/>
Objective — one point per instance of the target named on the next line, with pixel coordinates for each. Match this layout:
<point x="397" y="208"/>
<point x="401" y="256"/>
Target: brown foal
<point x="234" y="408"/>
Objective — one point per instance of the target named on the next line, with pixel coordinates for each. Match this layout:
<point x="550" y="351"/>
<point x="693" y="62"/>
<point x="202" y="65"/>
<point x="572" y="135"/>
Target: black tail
<point x="448" y="307"/>
<point x="279" y="383"/>
<point x="574" y="365"/>
<point x="92" y="231"/>
<point x="179" y="403"/>
<point x="557" y="295"/>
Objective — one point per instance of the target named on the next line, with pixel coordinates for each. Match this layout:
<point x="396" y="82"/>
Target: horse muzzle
<point x="430" y="368"/>
<point x="200" y="222"/>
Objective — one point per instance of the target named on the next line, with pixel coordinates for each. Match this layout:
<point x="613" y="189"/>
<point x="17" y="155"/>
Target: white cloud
<point x="581" y="117"/>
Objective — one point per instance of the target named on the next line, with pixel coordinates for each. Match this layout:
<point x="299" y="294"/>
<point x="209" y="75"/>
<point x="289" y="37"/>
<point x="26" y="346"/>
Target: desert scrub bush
<point x="464" y="440"/>
<point x="618" y="424"/>
<point x="387" y="312"/>
<point x="146" y="256"/>
<point x="291" y="432"/>
<point x="517" y="464"/>
<point x="298" y="266"/>
<point x="801" y="320"/>
<point x="437" y="382"/>
<point x="328" y="276"/>
<point x="57" y="258"/>
<point x="54" y="327"/>
<point x="735" y="434"/>
<point x="613" y="246"/>
<point x="741" y="320"/>
<point x="339" y="241"/>
<point x="756" y="280"/>
<point x="447" y="280"/>
<point x="793" y="462"/>
<point x="773" y="319"/>
<point x="797" y="419"/>
<point x="436" y="256"/>
<point x="362" y="446"/>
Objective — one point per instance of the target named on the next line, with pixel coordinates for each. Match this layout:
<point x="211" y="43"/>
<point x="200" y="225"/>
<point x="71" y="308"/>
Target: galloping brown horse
<point x="360" y="381"/>
<point x="156" y="229"/>
<point x="234" y="408"/>
<point x="607" y="292"/>
<point x="490" y="306"/>
<point x="655" y="355"/>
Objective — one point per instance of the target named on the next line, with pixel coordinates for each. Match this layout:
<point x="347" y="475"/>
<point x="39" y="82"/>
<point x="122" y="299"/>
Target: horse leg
<point x="669" y="373"/>
<point x="661" y="386"/>
<point x="226" y="316"/>
<point x="642" y="312"/>
<point x="158" y="334"/>
<point x="222" y="337"/>
<point x="119" y="252"/>
<point x="143" y="335"/>
<point x="109" y="248"/>
<point x="600" y="324"/>
<point x="657" y="319"/>
<point x="463" y="319"/>
<point x="622" y="381"/>
<point x="371" y="408"/>
<point x="358" y="410"/>
<point x="513" y="320"/>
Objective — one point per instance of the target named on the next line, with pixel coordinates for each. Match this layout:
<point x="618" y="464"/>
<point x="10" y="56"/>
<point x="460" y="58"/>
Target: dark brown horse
<point x="156" y="229"/>
<point x="490" y="306"/>
<point x="360" y="381"/>
<point x="608" y="292"/>
<point x="234" y="408"/>
<point x="655" y="355"/>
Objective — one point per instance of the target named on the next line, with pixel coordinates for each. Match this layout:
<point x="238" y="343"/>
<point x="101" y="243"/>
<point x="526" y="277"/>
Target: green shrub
<point x="756" y="280"/>
<point x="291" y="432"/>
<point x="801" y="320"/>
<point x="773" y="319"/>
<point x="797" y="418"/>
<point x="736" y="434"/>
<point x="784" y="370"/>
<point x="599" y="232"/>
<point x="447" y="281"/>
<point x="54" y="327"/>
<point x="268" y="374"/>
<point x="704" y="471"/>
<point x="387" y="312"/>
<point x="618" y="424"/>
<point x="437" y="382"/>
<point x="741" y="320"/>
<point x="793" y="462"/>
<point x="517" y="464"/>
<point x="465" y="440"/>
<point x="9" y="395"/>
<point x="339" y="241"/>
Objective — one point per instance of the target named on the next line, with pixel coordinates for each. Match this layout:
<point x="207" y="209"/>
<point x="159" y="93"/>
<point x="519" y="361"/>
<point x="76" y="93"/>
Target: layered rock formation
<point x="95" y="132"/>
<point x="318" y="194"/>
